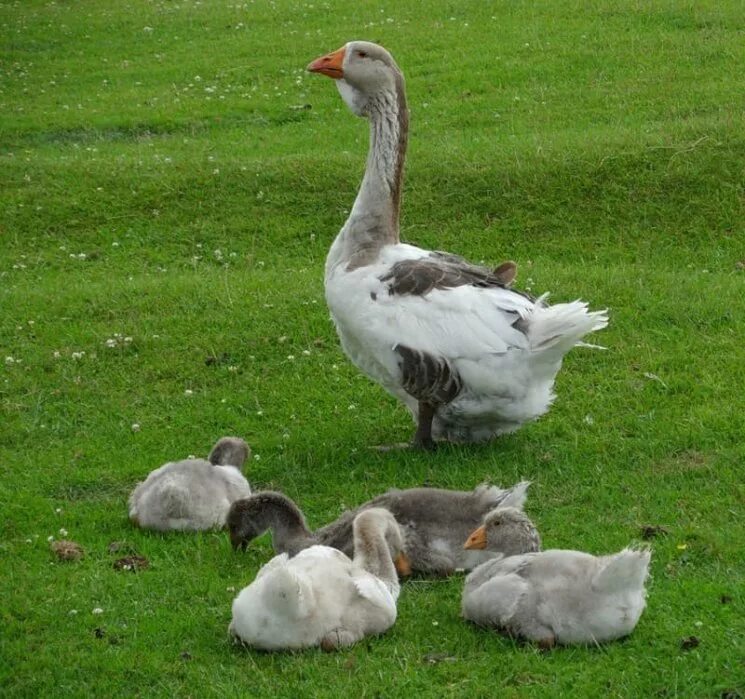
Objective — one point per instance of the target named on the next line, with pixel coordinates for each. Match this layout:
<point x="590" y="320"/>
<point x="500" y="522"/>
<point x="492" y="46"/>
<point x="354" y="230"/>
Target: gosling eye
<point x="362" y="54"/>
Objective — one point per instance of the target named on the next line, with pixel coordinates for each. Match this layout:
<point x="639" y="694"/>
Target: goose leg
<point x="423" y="436"/>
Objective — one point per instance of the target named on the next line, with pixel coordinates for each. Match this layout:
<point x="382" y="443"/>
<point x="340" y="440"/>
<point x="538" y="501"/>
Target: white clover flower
<point x="63" y="531"/>
<point x="135" y="427"/>
<point x="188" y="392"/>
<point x="97" y="610"/>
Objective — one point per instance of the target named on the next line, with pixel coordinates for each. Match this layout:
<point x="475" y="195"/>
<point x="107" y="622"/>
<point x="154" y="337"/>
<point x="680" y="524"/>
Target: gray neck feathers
<point x="290" y="533"/>
<point x="374" y="220"/>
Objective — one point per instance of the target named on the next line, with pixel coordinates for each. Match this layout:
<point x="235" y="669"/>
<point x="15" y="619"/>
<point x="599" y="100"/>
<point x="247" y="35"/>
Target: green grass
<point x="600" y="145"/>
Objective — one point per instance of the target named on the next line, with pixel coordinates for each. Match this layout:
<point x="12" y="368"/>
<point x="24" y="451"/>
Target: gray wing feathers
<point x="443" y="271"/>
<point x="426" y="377"/>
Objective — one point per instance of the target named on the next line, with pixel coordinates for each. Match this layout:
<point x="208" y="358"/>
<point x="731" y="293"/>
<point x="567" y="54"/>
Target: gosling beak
<point x="403" y="565"/>
<point x="477" y="540"/>
<point x="330" y="64"/>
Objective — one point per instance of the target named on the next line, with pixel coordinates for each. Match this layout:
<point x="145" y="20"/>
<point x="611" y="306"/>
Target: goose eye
<point x="362" y="54"/>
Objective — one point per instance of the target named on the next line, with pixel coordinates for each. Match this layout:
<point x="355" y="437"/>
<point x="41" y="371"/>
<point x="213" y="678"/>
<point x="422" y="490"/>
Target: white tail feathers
<point x="562" y="326"/>
<point x="624" y="571"/>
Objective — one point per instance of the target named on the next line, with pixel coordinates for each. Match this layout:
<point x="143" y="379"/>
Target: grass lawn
<point x="170" y="174"/>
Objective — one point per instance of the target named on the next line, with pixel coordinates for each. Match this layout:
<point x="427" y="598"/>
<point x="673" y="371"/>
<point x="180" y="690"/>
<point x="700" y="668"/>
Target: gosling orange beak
<point x="477" y="540"/>
<point x="403" y="565"/>
<point x="330" y="64"/>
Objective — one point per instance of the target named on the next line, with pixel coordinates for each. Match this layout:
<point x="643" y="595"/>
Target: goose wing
<point x="420" y="302"/>
<point x="374" y="590"/>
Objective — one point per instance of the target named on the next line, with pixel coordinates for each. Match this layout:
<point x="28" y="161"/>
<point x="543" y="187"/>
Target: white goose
<point x="322" y="598"/>
<point x="470" y="357"/>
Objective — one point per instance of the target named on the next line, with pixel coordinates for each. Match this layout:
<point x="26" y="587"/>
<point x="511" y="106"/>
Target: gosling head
<point x="363" y="71"/>
<point x="229" y="451"/>
<point x="252" y="516"/>
<point x="506" y="530"/>
<point x="243" y="523"/>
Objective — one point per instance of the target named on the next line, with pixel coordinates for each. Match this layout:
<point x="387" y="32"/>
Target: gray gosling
<point x="556" y="596"/>
<point x="434" y="523"/>
<point x="193" y="494"/>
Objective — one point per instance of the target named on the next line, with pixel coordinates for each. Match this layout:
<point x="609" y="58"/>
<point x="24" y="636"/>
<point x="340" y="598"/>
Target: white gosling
<point x="470" y="357"/>
<point x="193" y="494"/>
<point x="556" y="596"/>
<point x="322" y="598"/>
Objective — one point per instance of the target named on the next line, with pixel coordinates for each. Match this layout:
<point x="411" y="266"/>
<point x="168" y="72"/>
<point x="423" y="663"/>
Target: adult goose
<point x="470" y="357"/>
<point x="322" y="598"/>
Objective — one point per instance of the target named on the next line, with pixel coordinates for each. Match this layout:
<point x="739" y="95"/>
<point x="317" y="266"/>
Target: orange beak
<point x="477" y="540"/>
<point x="403" y="566"/>
<point x="330" y="64"/>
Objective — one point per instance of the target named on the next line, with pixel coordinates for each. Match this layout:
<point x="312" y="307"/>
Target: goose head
<point x="229" y="451"/>
<point x="250" y="517"/>
<point x="363" y="72"/>
<point x="507" y="530"/>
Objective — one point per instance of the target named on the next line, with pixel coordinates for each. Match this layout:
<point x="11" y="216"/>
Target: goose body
<point x="321" y="597"/>
<point x="434" y="523"/>
<point x="193" y="494"/>
<point x="469" y="356"/>
<point x="559" y="596"/>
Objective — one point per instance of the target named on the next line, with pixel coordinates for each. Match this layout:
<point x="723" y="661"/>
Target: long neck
<point x="371" y="552"/>
<point x="374" y="219"/>
<point x="290" y="533"/>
